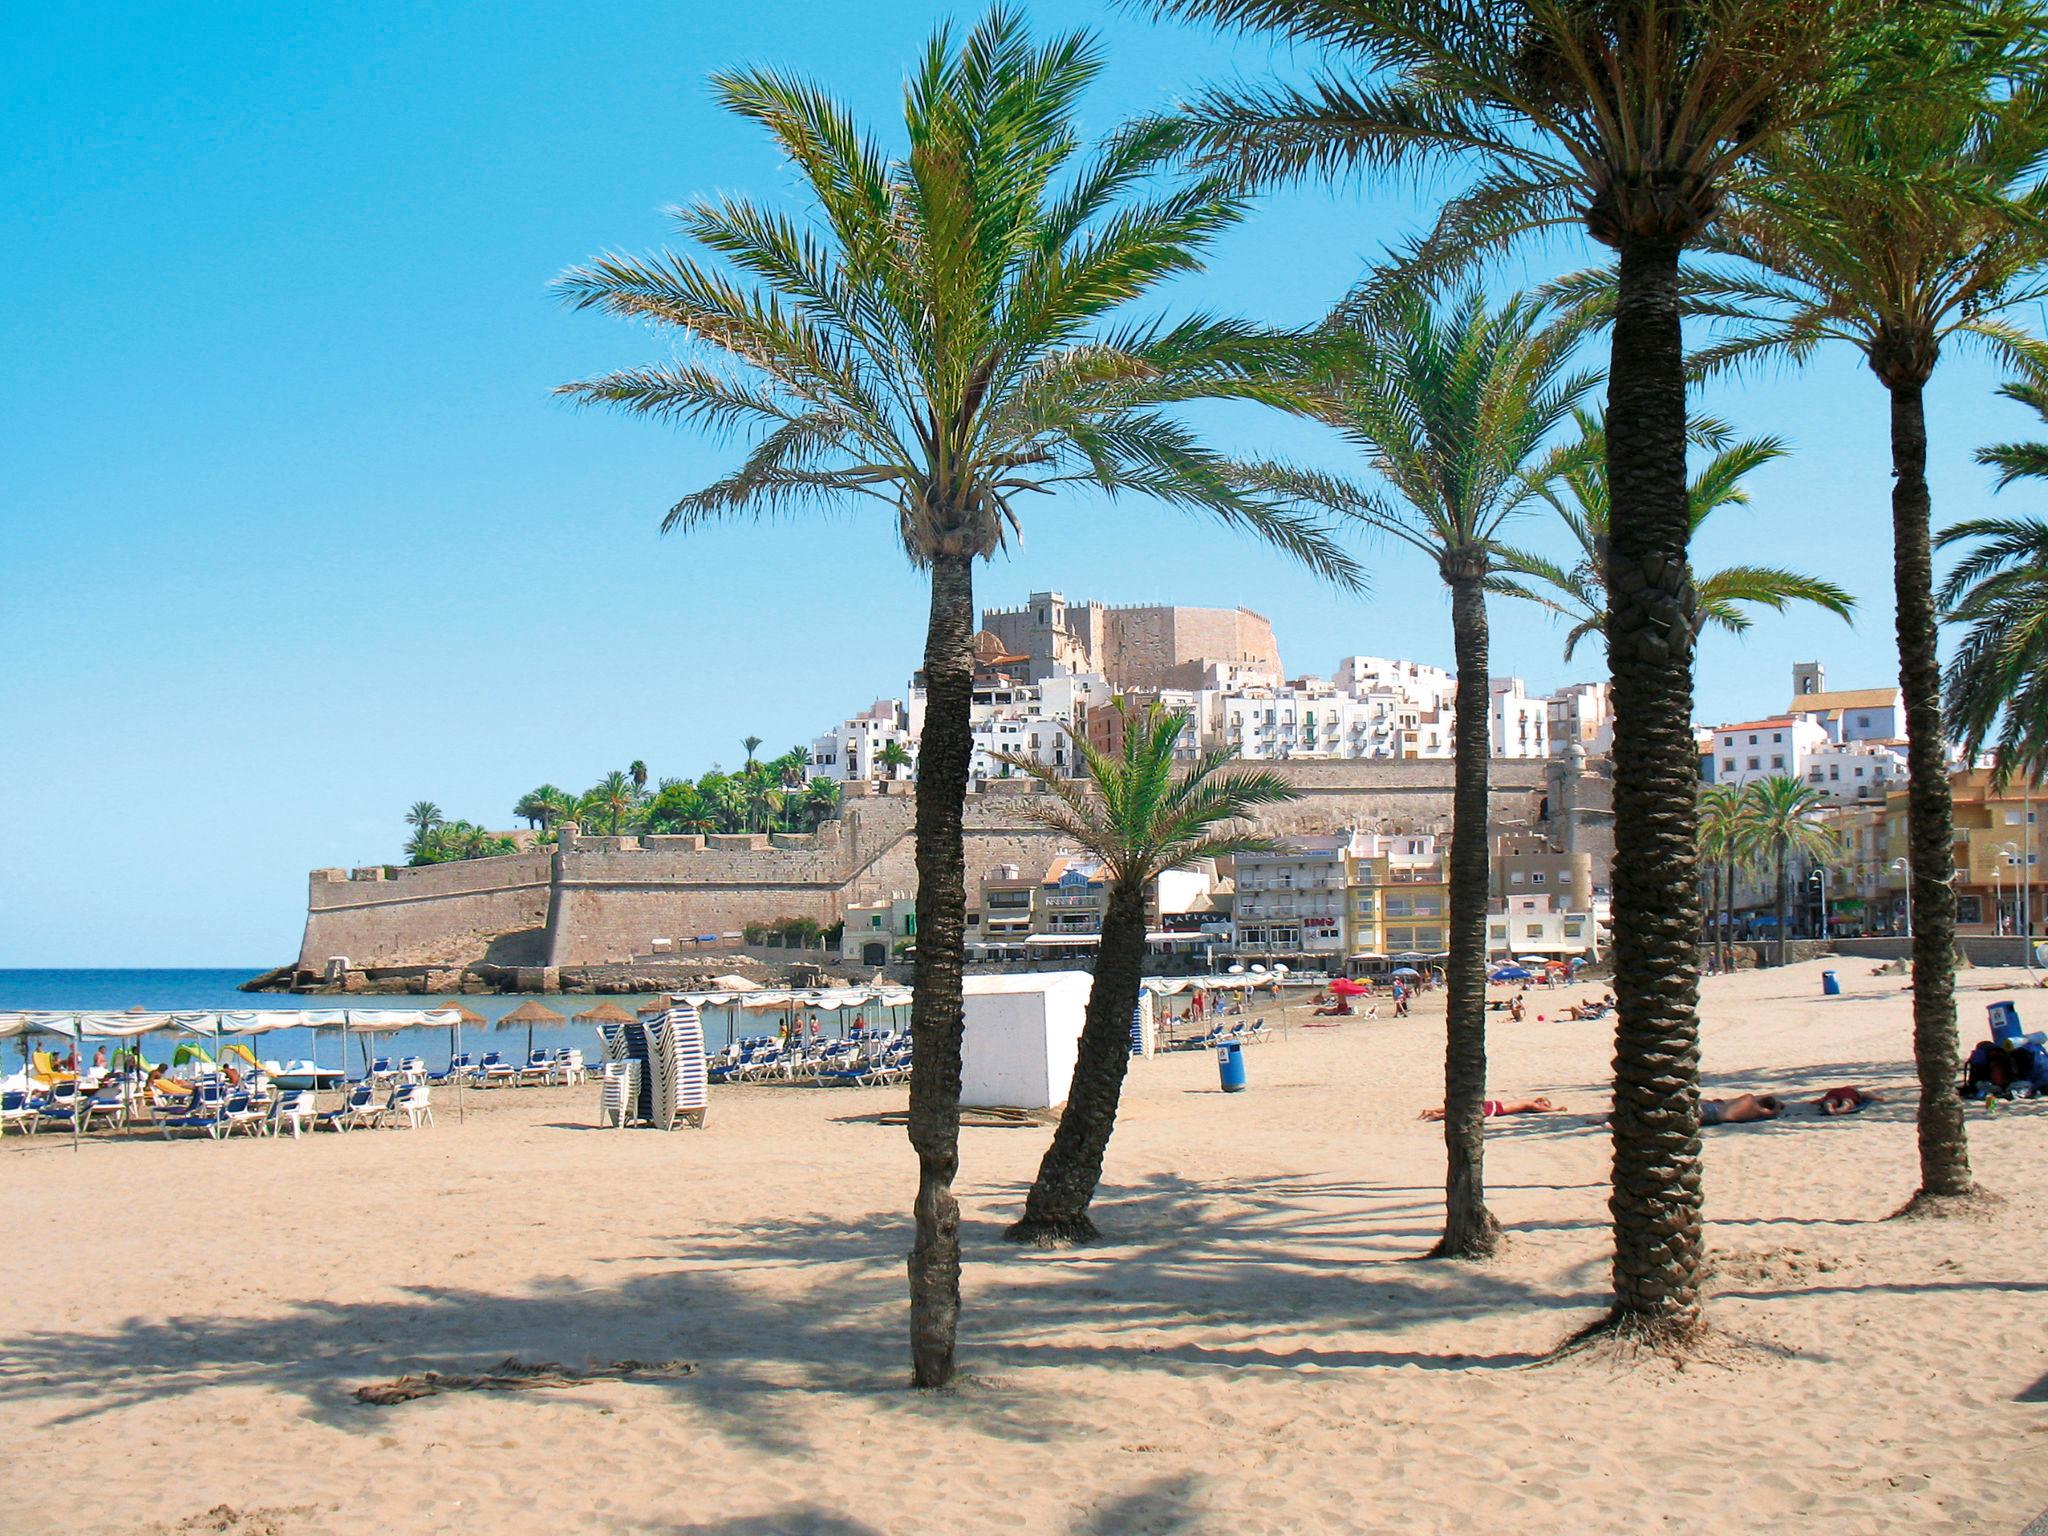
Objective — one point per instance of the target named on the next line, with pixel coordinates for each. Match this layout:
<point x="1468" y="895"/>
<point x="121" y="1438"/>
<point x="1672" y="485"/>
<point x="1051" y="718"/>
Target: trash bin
<point x="2005" y="1020"/>
<point x="1829" y="987"/>
<point x="1230" y="1065"/>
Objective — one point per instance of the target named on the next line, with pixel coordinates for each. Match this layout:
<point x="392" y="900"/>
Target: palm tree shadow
<point x="1201" y="1275"/>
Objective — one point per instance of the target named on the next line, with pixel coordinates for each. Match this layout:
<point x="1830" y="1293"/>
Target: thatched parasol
<point x="604" y="1013"/>
<point x="657" y="1006"/>
<point x="530" y="1013"/>
<point x="464" y="1016"/>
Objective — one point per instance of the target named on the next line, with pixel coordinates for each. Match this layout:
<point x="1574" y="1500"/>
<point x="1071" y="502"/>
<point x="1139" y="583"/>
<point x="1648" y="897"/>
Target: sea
<point x="181" y="991"/>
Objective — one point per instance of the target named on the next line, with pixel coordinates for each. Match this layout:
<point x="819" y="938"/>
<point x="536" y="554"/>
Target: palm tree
<point x="1782" y="825"/>
<point x="893" y="756"/>
<point x="615" y="796"/>
<point x="751" y="743"/>
<point x="423" y="818"/>
<point x="1727" y="816"/>
<point x="1997" y="681"/>
<point x="1898" y="231"/>
<point x="637" y="770"/>
<point x="1577" y="487"/>
<point x="822" y="801"/>
<point x="1631" y="120"/>
<point x="933" y="333"/>
<point x="1142" y="818"/>
<point x="541" y="807"/>
<point x="1451" y="404"/>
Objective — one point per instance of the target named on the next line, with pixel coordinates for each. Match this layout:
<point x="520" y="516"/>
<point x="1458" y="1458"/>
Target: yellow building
<point x="1997" y="852"/>
<point x="1397" y="897"/>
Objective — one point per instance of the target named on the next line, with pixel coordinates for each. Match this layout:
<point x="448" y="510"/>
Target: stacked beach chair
<point x="669" y="1080"/>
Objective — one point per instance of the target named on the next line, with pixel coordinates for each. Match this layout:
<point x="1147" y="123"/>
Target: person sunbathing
<point x="1741" y="1109"/>
<point x="1844" y="1101"/>
<point x="1494" y="1108"/>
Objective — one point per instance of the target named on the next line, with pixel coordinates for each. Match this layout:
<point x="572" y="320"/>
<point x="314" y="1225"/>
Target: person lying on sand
<point x="1844" y="1101"/>
<point x="1494" y="1108"/>
<point x="1742" y="1108"/>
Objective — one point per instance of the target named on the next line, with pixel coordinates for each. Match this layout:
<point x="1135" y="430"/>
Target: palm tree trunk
<point x="1944" y="1142"/>
<point x="935" y="1023"/>
<point x="1656" y="1197"/>
<point x="1056" y="1210"/>
<point x="1781" y="904"/>
<point x="1728" y="914"/>
<point x="1470" y="1232"/>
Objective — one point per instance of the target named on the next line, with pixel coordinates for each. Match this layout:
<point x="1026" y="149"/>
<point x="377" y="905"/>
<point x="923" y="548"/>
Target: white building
<point x="1581" y="713"/>
<point x="1764" y="749"/>
<point x="1540" y="925"/>
<point x="1847" y="714"/>
<point x="1517" y="725"/>
<point x="1291" y="900"/>
<point x="1856" y="771"/>
<point x="852" y="749"/>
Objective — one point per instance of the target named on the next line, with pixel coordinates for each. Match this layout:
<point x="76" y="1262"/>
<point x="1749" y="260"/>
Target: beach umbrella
<point x="1344" y="986"/>
<point x="1406" y="970"/>
<point x="530" y="1013"/>
<point x="1509" y="973"/>
<point x="463" y="1015"/>
<point x="647" y="1009"/>
<point x="606" y="1013"/>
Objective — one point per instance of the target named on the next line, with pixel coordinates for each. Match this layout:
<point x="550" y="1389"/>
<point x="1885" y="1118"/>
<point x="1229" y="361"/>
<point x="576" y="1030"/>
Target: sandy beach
<point x="1259" y="1347"/>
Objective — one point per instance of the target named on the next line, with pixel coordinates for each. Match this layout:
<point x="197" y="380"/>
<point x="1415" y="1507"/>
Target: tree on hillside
<point x="1450" y="403"/>
<point x="933" y="332"/>
<point x="1633" y="121"/>
<point x="1142" y="818"/>
<point x="1576" y="486"/>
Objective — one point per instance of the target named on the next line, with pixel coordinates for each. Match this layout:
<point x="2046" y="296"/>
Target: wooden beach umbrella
<point x="530" y="1013"/>
<point x="607" y="1013"/>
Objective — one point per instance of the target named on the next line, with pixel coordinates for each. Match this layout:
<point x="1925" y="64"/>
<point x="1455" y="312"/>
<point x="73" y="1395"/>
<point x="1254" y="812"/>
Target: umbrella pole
<point x="77" y="1109"/>
<point x="461" y="1103"/>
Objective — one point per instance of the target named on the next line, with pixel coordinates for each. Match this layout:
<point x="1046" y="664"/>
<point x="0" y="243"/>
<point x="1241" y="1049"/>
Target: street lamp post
<point x="1819" y="877"/>
<point x="2012" y="857"/>
<point x="1903" y="867"/>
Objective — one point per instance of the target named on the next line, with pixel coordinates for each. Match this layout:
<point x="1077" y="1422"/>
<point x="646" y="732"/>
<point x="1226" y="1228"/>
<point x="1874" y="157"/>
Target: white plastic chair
<point x="414" y="1101"/>
<point x="297" y="1108"/>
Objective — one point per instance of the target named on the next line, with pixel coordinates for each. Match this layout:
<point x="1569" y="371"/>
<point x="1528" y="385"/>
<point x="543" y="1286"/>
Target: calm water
<point x="198" y="990"/>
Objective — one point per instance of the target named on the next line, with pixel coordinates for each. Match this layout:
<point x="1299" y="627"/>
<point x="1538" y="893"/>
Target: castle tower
<point x="1808" y="677"/>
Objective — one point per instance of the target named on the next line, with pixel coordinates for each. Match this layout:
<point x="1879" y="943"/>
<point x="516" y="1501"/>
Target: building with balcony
<point x="1397" y="897"/>
<point x="1998" y="852"/>
<point x="1291" y="901"/>
<point x="1543" y="926"/>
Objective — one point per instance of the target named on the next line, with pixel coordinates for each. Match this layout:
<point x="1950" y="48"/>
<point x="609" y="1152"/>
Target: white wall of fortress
<point x="607" y="899"/>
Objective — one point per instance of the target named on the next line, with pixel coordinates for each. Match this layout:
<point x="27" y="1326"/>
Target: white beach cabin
<point x="1022" y="1035"/>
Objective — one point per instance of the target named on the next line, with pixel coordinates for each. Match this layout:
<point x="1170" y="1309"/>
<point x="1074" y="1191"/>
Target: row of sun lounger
<point x="861" y="1062"/>
<point x="219" y="1114"/>
<point x="1254" y="1033"/>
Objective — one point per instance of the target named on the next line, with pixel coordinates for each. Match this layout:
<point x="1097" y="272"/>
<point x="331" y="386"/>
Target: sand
<point x="1259" y="1347"/>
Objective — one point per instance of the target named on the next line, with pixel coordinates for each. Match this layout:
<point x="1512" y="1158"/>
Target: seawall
<point x="603" y="900"/>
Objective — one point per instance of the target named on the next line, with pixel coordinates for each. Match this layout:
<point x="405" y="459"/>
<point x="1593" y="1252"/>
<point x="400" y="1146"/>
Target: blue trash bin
<point x="1230" y="1065"/>
<point x="1829" y="987"/>
<point x="2005" y="1020"/>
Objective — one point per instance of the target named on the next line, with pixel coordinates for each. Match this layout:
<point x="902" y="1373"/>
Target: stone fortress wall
<point x="1139" y="646"/>
<point x="602" y="900"/>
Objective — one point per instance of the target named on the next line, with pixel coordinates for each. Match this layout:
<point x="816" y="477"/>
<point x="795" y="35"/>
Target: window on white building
<point x="1514" y="877"/>
<point x="1754" y="764"/>
<point x="1537" y="878"/>
<point x="1727" y="765"/>
<point x="1777" y="762"/>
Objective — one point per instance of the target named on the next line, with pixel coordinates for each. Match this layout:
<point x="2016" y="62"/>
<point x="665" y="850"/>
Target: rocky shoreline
<point x="636" y="979"/>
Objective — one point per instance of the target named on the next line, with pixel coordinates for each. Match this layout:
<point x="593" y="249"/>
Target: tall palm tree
<point x="1899" y="231"/>
<point x="751" y="743"/>
<point x="1727" y="815"/>
<point x="1577" y="488"/>
<point x="1997" y="681"/>
<point x="1450" y="402"/>
<point x="1141" y="817"/>
<point x="637" y="771"/>
<point x="1782" y="826"/>
<point x="935" y="332"/>
<point x="423" y="818"/>
<point x="822" y="801"/>
<point x="893" y="756"/>
<point x="1631" y="120"/>
<point x="615" y="796"/>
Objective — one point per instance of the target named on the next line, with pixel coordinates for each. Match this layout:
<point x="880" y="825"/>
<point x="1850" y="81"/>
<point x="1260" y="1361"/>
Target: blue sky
<point x="296" y="535"/>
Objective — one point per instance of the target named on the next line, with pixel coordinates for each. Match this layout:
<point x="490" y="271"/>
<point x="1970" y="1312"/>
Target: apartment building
<point x="1291" y="900"/>
<point x="1398" y="896"/>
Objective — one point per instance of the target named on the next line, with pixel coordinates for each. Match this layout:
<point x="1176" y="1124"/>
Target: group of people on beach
<point x="1739" y="1110"/>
